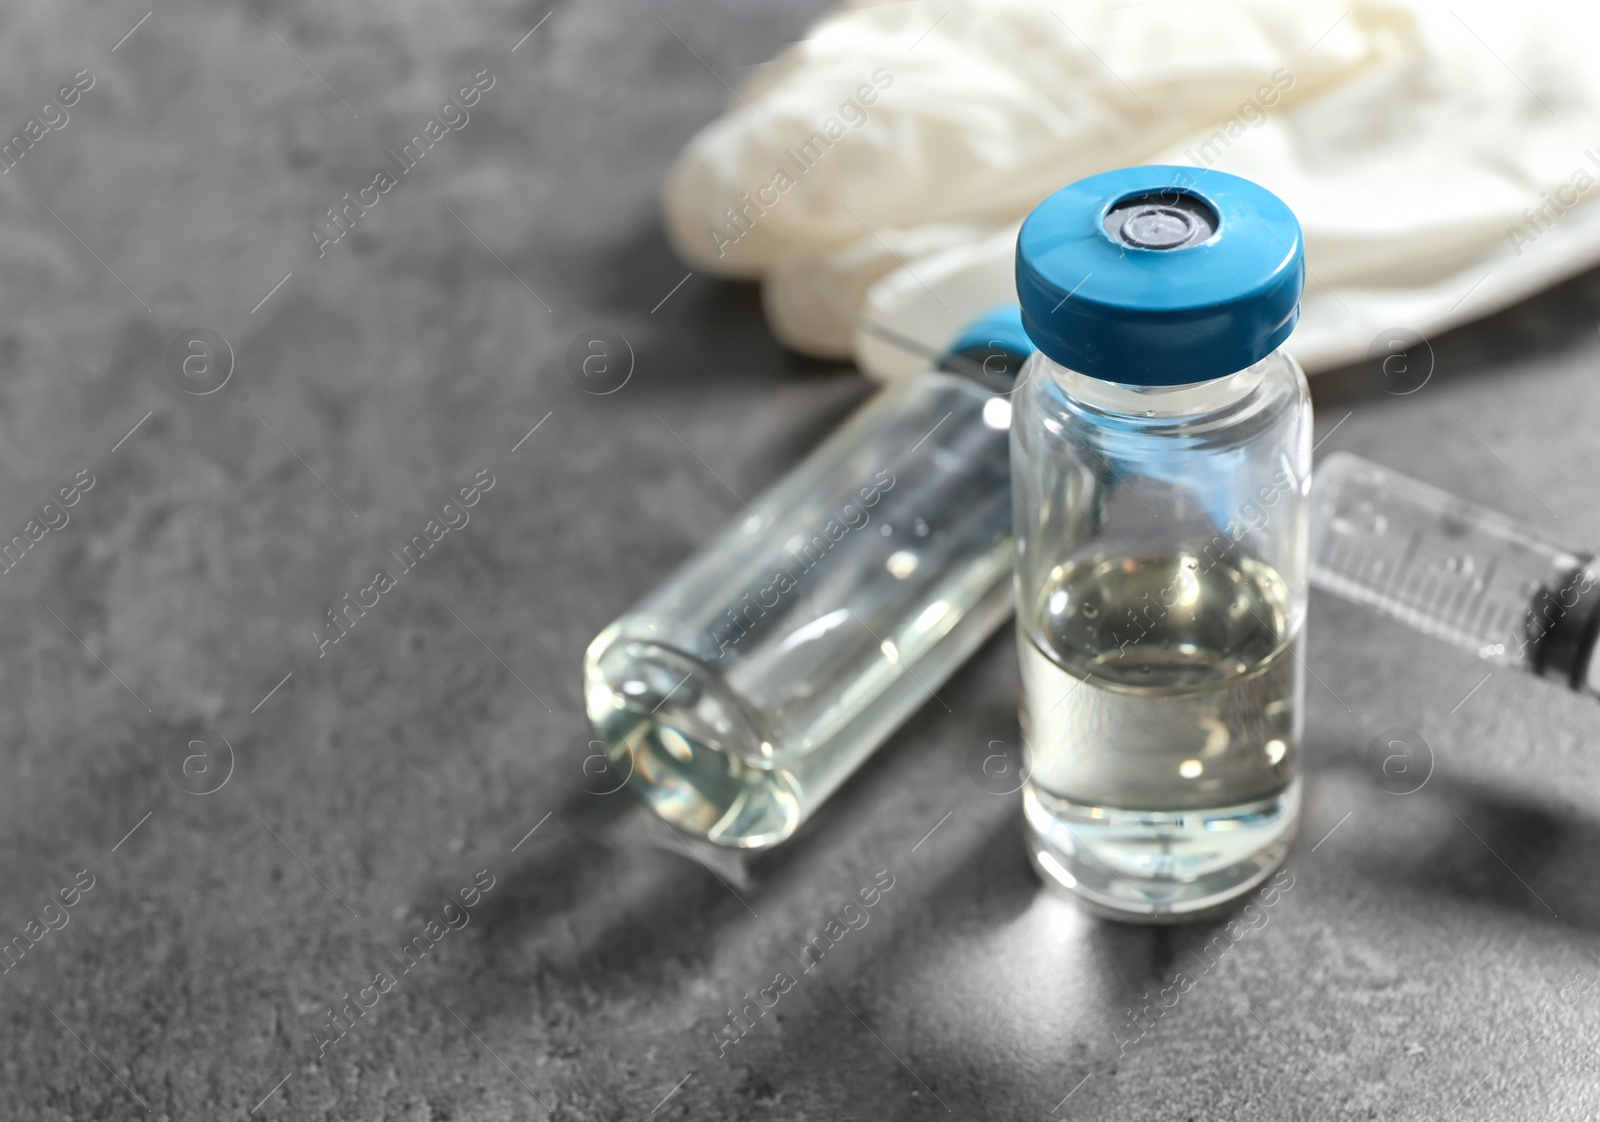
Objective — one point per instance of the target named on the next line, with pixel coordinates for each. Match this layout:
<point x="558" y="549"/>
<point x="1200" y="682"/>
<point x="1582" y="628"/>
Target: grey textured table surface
<point x="1435" y="957"/>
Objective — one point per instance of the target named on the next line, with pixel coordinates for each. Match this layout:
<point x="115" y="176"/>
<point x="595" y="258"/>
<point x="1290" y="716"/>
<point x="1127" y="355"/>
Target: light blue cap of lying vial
<point x="1160" y="275"/>
<point x="999" y="330"/>
<point x="991" y="349"/>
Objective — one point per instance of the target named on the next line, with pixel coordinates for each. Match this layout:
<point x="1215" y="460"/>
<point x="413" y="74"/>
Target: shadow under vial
<point x="1498" y="848"/>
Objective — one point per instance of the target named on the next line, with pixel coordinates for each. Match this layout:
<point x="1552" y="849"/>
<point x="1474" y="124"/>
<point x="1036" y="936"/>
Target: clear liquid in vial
<point x="1161" y="702"/>
<point x="741" y="693"/>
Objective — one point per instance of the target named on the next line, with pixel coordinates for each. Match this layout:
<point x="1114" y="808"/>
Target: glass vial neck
<point x="1096" y="395"/>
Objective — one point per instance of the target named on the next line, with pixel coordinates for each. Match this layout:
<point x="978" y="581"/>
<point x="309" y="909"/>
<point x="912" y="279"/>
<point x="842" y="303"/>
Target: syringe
<point x="1455" y="570"/>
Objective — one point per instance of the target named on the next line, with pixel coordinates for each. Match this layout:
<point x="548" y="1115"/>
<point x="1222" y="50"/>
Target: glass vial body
<point x="1161" y="576"/>
<point x="739" y="694"/>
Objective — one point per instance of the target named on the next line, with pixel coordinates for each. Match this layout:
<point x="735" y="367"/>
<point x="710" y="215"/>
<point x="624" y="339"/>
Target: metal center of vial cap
<point x="1170" y="220"/>
<point x="1157" y="227"/>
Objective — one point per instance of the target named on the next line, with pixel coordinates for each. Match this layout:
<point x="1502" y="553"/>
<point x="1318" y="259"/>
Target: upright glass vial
<point x="1161" y="468"/>
<point x="739" y="694"/>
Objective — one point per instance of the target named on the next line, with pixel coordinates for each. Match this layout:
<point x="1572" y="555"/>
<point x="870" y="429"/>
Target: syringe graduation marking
<point x="1461" y="608"/>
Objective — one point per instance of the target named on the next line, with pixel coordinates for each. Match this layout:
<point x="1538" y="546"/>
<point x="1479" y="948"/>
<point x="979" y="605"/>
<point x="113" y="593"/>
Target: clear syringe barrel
<point x="1454" y="570"/>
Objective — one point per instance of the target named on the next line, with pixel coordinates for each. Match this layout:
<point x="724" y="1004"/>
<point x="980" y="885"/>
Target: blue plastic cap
<point x="999" y="329"/>
<point x="1160" y="275"/>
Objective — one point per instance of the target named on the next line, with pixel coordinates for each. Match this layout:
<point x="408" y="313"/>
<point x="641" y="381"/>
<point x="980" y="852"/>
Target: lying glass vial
<point x="744" y="690"/>
<point x="1161" y="465"/>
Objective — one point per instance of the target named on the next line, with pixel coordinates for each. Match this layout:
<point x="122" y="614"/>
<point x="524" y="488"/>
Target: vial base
<point x="1158" y="867"/>
<point x="681" y="742"/>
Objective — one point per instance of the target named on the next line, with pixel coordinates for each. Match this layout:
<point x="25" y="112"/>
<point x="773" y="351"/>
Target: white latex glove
<point x="1411" y="138"/>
